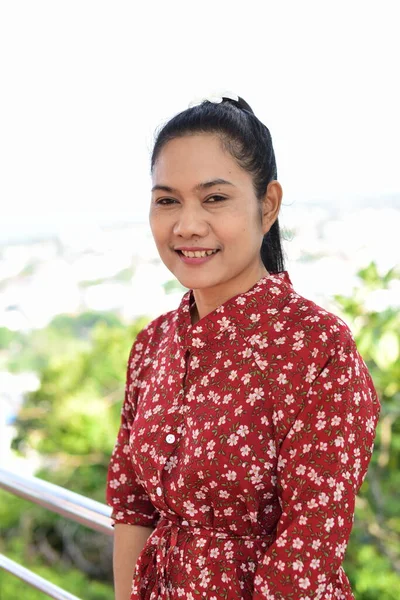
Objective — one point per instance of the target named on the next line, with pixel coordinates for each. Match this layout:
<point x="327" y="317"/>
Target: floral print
<point x="243" y="441"/>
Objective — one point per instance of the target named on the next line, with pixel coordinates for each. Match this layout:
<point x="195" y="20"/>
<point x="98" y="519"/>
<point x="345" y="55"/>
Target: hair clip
<point x="216" y="98"/>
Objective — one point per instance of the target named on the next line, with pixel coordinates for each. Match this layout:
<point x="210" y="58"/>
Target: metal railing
<point x="75" y="507"/>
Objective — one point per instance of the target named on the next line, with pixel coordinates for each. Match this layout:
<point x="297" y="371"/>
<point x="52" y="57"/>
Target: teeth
<point x="198" y="254"/>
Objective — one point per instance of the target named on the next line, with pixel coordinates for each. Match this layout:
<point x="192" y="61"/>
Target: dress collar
<point x="243" y="311"/>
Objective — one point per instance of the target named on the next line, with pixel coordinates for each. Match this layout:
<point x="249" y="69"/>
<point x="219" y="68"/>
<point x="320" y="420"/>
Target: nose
<point x="191" y="222"/>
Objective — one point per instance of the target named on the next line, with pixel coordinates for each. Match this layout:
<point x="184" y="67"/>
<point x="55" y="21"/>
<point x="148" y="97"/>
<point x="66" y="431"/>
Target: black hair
<point x="248" y="141"/>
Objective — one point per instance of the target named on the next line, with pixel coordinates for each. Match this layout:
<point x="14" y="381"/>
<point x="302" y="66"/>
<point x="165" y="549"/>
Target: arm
<point x="323" y="460"/>
<point x="129" y="541"/>
<point x="133" y="515"/>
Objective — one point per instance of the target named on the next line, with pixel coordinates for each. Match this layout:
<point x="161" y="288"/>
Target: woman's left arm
<point x="322" y="463"/>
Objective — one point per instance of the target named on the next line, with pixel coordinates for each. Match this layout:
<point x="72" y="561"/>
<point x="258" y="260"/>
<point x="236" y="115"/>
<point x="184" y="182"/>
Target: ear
<point x="271" y="205"/>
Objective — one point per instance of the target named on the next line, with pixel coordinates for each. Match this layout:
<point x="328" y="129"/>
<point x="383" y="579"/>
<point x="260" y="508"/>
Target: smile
<point x="196" y="258"/>
<point x="197" y="253"/>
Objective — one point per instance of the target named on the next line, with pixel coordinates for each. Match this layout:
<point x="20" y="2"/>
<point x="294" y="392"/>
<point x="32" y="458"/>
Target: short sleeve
<point x="125" y="493"/>
<point x="323" y="460"/>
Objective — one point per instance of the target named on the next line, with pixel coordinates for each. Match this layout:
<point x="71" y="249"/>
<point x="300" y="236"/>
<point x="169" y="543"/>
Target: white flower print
<point x="311" y="373"/>
<point x="289" y="399"/>
<point x="233" y="439"/>
<point x="370" y="425"/>
<point x="301" y="470"/>
<point x="275" y="290"/>
<point x="323" y="499"/>
<point x="298" y="566"/>
<point x="190" y="508"/>
<point x="298" y="346"/>
<point x="246" y="378"/>
<point x="195" y="363"/>
<point x="304" y="583"/>
<point x="315" y="563"/>
<point x="224" y="323"/>
<point x="245" y="450"/>
<point x="329" y="523"/>
<point x="243" y="430"/>
<point x="298" y="335"/>
<point x="282" y="379"/>
<point x="255" y="318"/>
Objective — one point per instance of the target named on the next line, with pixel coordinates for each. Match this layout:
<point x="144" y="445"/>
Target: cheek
<point x="158" y="225"/>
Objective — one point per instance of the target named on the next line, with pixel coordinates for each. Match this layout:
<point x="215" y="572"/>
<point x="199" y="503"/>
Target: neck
<point x="194" y="313"/>
<point x="206" y="300"/>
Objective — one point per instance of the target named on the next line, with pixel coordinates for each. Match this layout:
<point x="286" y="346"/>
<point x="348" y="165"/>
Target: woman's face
<point x="202" y="199"/>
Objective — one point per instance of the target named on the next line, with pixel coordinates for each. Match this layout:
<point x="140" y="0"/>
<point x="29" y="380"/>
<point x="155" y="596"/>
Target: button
<point x="184" y="523"/>
<point x="170" y="438"/>
<point x="159" y="491"/>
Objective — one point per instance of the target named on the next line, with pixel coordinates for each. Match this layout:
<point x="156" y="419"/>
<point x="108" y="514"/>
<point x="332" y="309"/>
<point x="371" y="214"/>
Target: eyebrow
<point x="200" y="186"/>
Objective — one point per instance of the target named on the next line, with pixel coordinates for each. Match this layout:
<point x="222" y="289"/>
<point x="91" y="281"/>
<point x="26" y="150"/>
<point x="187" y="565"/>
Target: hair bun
<point x="223" y="96"/>
<point x="240" y="103"/>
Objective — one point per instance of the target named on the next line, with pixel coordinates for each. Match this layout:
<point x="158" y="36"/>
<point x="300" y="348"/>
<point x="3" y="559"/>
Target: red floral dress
<point x="244" y="440"/>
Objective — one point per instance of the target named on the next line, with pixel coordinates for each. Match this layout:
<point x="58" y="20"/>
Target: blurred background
<point x="84" y="86"/>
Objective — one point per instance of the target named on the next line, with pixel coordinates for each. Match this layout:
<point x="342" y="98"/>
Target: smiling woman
<point x="249" y="417"/>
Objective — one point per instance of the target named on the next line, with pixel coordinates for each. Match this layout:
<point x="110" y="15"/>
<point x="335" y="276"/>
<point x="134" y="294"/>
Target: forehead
<point x="195" y="157"/>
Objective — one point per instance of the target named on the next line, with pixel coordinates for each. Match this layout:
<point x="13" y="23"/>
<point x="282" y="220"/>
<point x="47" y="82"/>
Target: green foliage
<point x="172" y="286"/>
<point x="124" y="275"/>
<point x="31" y="536"/>
<point x="71" y="580"/>
<point x="71" y="421"/>
<point x="373" y="556"/>
<point x="81" y="325"/>
<point x="8" y="337"/>
<point x="73" y="416"/>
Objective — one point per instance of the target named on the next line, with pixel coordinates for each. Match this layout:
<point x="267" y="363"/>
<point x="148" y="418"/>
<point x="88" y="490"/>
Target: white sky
<point x="85" y="83"/>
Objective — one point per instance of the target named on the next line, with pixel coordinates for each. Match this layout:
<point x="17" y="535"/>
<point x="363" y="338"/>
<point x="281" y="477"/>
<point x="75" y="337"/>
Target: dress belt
<point x="150" y="578"/>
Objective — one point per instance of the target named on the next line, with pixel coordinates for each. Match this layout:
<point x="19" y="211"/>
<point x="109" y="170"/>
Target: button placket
<point x="170" y="439"/>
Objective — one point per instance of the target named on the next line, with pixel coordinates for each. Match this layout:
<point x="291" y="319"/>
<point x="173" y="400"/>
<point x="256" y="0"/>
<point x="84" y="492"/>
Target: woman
<point x="249" y="416"/>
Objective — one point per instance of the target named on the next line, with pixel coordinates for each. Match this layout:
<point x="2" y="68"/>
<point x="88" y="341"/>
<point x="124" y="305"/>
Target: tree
<point x="373" y="556"/>
<point x="71" y="421"/>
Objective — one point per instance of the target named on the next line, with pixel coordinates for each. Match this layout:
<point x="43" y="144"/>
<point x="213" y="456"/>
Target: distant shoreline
<point x="14" y="230"/>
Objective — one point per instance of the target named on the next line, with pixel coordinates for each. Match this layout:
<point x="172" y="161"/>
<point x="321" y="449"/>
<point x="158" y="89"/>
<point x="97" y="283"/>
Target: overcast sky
<point x="85" y="83"/>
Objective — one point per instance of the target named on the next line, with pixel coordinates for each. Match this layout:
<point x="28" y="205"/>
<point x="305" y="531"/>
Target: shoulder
<point x="300" y="313"/>
<point x="304" y="330"/>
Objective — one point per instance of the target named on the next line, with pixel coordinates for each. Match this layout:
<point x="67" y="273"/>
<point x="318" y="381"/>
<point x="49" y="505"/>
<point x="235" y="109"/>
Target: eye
<point x="215" y="198"/>
<point x="165" y="201"/>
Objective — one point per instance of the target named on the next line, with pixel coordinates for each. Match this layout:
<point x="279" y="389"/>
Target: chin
<point x="197" y="282"/>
